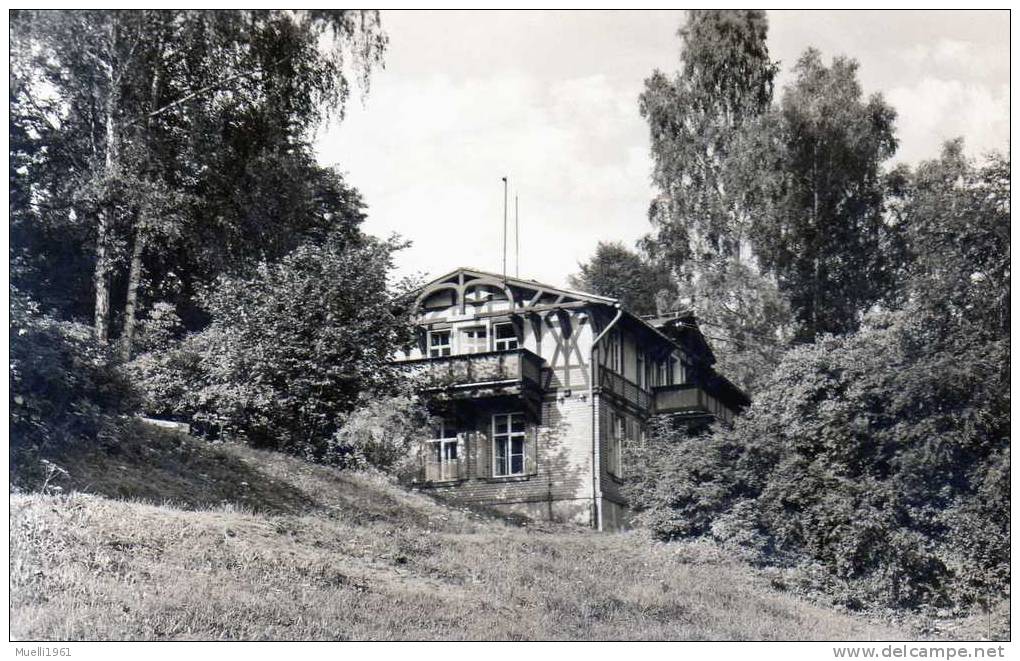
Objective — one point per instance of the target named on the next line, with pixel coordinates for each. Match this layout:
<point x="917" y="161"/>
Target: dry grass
<point x="306" y="552"/>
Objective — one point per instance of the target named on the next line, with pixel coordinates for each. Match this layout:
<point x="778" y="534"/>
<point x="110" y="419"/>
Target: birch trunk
<point x="130" y="307"/>
<point x="104" y="266"/>
<point x="135" y="269"/>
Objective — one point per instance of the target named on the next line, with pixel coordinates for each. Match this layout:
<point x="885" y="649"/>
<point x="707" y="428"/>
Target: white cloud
<point x="935" y="110"/>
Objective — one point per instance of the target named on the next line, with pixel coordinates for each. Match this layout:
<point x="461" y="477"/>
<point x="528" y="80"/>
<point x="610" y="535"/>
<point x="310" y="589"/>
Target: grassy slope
<point x="195" y="541"/>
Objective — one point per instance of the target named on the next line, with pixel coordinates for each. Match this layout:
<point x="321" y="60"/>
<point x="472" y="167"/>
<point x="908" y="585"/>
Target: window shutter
<point x="483" y="465"/>
<point x="531" y="452"/>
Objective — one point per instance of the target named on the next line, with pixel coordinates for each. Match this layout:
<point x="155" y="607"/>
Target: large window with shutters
<point x="509" y="444"/>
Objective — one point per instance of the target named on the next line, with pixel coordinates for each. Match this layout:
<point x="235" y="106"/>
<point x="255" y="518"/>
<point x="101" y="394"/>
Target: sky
<point x="549" y="100"/>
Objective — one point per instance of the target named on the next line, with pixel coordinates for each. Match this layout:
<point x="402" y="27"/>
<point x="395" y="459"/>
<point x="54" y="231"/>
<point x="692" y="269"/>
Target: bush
<point x="65" y="387"/>
<point x="383" y="432"/>
<point x="881" y="456"/>
<point x="292" y="350"/>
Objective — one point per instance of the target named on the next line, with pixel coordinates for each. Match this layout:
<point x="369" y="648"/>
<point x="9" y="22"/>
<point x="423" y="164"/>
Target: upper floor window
<point x="509" y="438"/>
<point x="614" y="346"/>
<point x="439" y="344"/>
<point x="474" y="340"/>
<point x="664" y="377"/>
<point x="505" y="337"/>
<point x="617" y="435"/>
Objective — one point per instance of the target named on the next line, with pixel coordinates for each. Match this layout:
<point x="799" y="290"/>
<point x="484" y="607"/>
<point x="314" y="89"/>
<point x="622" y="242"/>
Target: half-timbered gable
<point x="539" y="388"/>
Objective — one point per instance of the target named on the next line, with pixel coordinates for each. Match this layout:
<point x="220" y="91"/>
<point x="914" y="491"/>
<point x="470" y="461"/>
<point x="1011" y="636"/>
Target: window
<point x="508" y="440"/>
<point x="617" y="435"/>
<point x="474" y="340"/>
<point x="505" y="337"/>
<point x="640" y="357"/>
<point x="442" y="459"/>
<point x="663" y="377"/>
<point x="439" y="344"/>
<point x="615" y="349"/>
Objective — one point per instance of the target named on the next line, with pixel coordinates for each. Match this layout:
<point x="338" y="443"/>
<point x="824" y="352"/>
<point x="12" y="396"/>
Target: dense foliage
<point x="618" y="272"/>
<point x="165" y="191"/>
<point x="290" y="349"/>
<point x="153" y="150"/>
<point x="63" y="388"/>
<point x="725" y="80"/>
<point x="810" y="172"/>
<point x="881" y="455"/>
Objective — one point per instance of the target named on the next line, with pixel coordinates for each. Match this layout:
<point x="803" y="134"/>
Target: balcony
<point x="690" y="399"/>
<point x="625" y="389"/>
<point x="515" y="373"/>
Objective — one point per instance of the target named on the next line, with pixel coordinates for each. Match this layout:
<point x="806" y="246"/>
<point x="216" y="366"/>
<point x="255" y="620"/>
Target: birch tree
<point x="813" y="169"/>
<point x="140" y="102"/>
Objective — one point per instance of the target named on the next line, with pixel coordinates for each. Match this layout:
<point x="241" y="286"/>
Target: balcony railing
<point x="624" y="388"/>
<point x="445" y="471"/>
<point x="492" y="368"/>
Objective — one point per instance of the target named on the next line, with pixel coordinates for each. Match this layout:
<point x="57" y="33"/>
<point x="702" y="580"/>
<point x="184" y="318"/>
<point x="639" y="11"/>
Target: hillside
<point x="180" y="539"/>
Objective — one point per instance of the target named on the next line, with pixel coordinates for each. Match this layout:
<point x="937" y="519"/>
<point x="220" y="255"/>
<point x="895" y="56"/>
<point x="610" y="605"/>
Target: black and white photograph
<point x="406" y="325"/>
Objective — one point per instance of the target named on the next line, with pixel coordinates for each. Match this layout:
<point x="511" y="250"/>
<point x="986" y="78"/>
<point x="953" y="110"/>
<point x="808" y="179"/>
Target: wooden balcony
<point x="515" y="373"/>
<point x="625" y="389"/>
<point x="690" y="399"/>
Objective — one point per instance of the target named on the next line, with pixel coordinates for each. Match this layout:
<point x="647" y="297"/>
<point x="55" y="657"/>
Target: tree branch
<point x="199" y="92"/>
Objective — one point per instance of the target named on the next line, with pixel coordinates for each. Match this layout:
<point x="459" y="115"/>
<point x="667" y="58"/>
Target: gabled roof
<point x="518" y="282"/>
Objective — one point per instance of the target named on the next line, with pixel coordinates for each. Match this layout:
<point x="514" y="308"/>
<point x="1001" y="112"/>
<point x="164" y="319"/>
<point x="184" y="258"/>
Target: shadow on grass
<point x="160" y="466"/>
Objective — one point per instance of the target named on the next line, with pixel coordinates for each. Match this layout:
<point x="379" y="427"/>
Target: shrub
<point x="881" y="456"/>
<point x="65" y="387"/>
<point x="383" y="432"/>
<point x="292" y="349"/>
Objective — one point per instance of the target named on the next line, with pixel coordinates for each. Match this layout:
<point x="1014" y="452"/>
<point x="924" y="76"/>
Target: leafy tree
<point x="725" y="80"/>
<point x="879" y="455"/>
<point x="293" y="347"/>
<point x="811" y="173"/>
<point x="956" y="221"/>
<point x="618" y="272"/>
<point x="122" y="116"/>
<point x="700" y="218"/>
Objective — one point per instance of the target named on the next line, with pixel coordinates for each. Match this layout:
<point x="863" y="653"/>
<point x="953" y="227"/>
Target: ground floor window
<point x="509" y="440"/>
<point x="443" y="455"/>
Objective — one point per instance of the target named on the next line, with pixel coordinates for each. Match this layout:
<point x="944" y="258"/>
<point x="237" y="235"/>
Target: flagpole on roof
<point x="504" y="227"/>
<point x="517" y="236"/>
